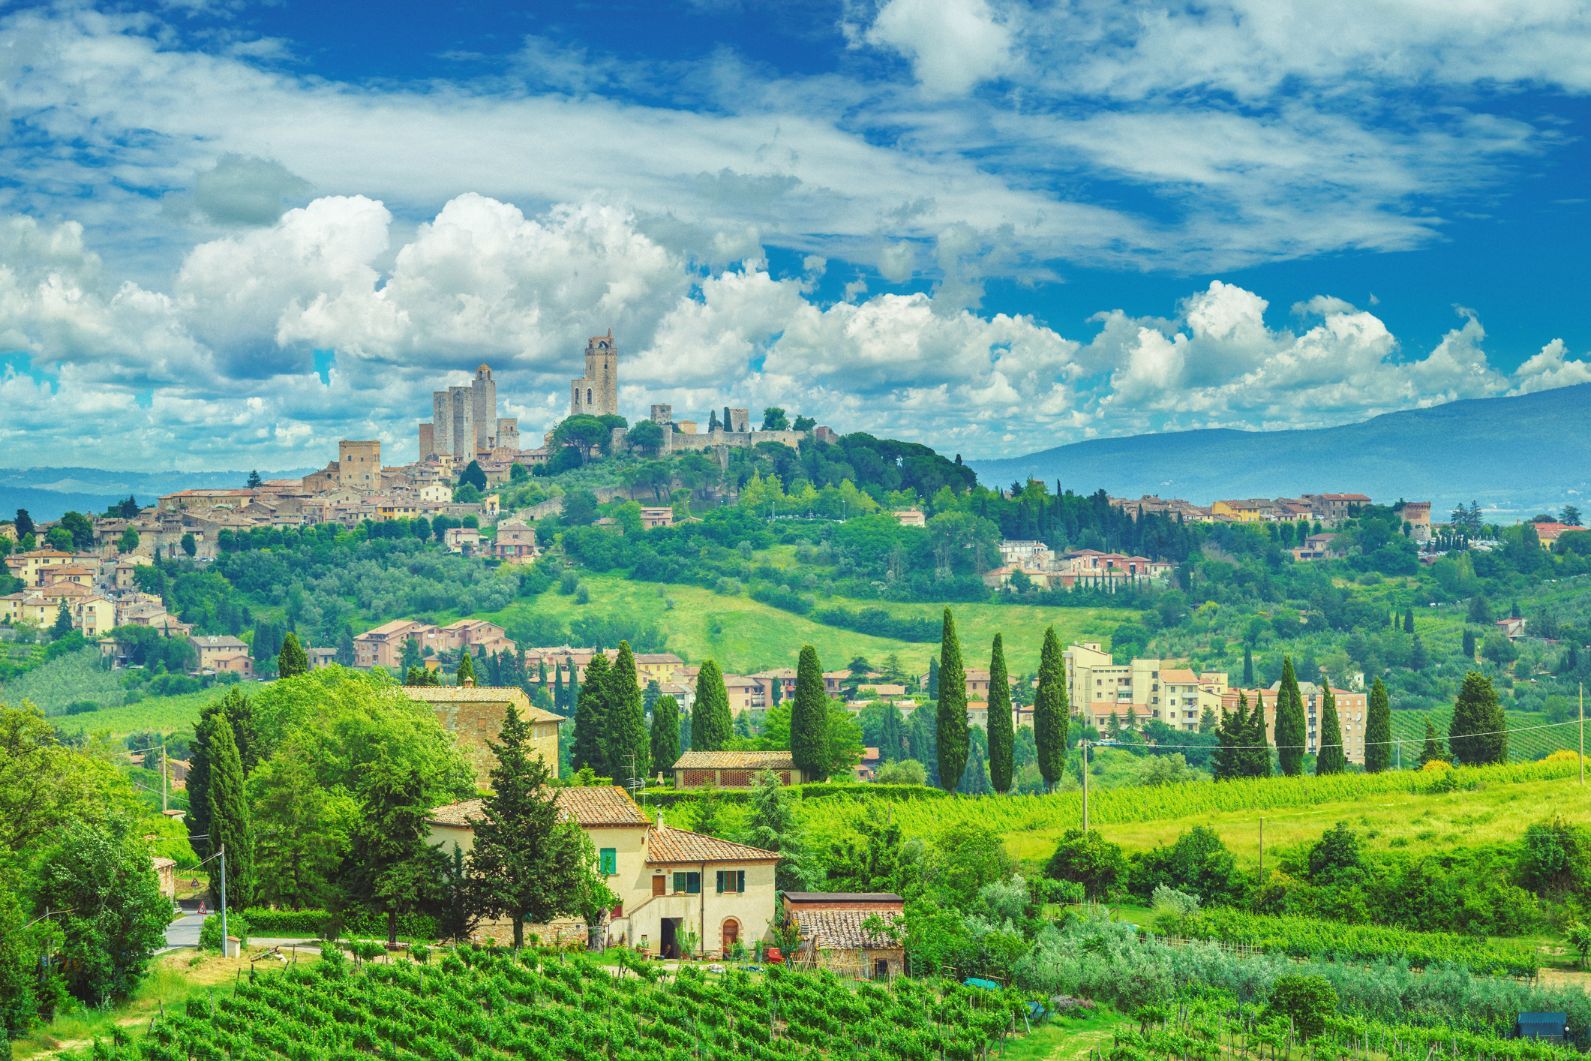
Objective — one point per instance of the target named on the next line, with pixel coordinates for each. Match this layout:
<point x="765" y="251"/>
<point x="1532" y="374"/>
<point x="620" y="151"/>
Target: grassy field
<point x="163" y="713"/>
<point x="1495" y="814"/>
<point x="744" y="635"/>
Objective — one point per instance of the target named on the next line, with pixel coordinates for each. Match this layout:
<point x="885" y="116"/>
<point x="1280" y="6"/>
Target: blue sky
<point x="233" y="233"/>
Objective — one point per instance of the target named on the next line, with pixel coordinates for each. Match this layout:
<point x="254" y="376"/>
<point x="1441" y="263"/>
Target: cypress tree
<point x="1291" y="732"/>
<point x="292" y="660"/>
<point x="466" y="669"/>
<point x="933" y="677"/>
<point x="665" y="733"/>
<point x="892" y="746"/>
<point x="591" y="718"/>
<point x="229" y="814"/>
<point x="1050" y="711"/>
<point x="1378" y="730"/>
<point x="1329" y="755"/>
<point x="1432" y="750"/>
<point x="1479" y="731"/>
<point x="625" y="742"/>
<point x="1002" y="738"/>
<point x="1257" y="753"/>
<point x="711" y="726"/>
<point x="1226" y="760"/>
<point x="809" y="717"/>
<point x="1469" y="644"/>
<point x="1248" y="667"/>
<point x="951" y="734"/>
<point x="1408" y="620"/>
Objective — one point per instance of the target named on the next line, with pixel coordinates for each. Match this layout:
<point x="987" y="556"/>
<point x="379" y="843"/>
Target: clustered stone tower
<point x="597" y="392"/>
<point x="464" y="420"/>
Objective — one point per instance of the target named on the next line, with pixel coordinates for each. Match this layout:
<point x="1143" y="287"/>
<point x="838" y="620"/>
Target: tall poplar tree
<point x="1479" y="731"/>
<point x="1329" y="755"/>
<point x="624" y="741"/>
<point x="466" y="670"/>
<point x="1378" y="730"/>
<point x="951" y="734"/>
<point x="1248" y="667"/>
<point x="591" y="717"/>
<point x="1050" y="711"/>
<point x="230" y="827"/>
<point x="1002" y="737"/>
<point x="292" y="660"/>
<point x="711" y="725"/>
<point x="809" y="717"/>
<point x="1291" y="731"/>
<point x="665" y="733"/>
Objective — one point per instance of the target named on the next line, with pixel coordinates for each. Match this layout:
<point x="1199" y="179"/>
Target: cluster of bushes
<point x="1490" y="891"/>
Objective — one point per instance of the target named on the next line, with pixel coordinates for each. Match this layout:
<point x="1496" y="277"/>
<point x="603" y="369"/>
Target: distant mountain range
<point x="48" y="492"/>
<point x="1517" y="456"/>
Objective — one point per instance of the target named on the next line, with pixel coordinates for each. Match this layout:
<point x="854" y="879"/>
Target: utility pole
<point x="163" y="795"/>
<point x="223" y="901"/>
<point x="1083" y="747"/>
<point x="1582" y="733"/>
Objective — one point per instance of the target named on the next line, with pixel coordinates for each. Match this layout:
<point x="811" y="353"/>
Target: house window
<point x="608" y="858"/>
<point x="731" y="880"/>
<point x="688" y="883"/>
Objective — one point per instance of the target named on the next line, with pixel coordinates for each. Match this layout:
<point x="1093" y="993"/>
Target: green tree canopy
<point x="1378" y="729"/>
<point x="1479" y="730"/>
<point x="711" y="725"/>
<point x="292" y="660"/>
<point x="1291" y="731"/>
<point x="1001" y="733"/>
<point x="1050" y="710"/>
<point x="809" y="717"/>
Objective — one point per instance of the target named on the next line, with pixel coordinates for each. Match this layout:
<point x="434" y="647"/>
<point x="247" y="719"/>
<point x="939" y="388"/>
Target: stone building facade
<point x="597" y="392"/>
<point x="464" y="421"/>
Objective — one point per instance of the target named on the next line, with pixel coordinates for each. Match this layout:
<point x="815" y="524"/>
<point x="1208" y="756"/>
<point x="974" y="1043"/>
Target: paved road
<point x="184" y="932"/>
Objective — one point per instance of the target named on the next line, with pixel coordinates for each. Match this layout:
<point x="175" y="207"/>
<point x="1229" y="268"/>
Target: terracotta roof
<point x="480" y="694"/>
<point x="665" y="845"/>
<point x="586" y="805"/>
<point x="842" y="929"/>
<point x="843" y="897"/>
<point x="1178" y="677"/>
<point x="730" y="760"/>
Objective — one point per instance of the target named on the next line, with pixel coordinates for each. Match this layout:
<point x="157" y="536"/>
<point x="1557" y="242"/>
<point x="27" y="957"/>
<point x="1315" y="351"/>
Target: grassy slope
<point x="172" y="979"/>
<point x="1397" y="821"/>
<point x="750" y="636"/>
<point x="164" y="713"/>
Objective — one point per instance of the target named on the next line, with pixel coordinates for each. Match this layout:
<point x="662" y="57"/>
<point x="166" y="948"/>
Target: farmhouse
<point x="851" y="933"/>
<point x="728" y="769"/>
<point x="677" y="889"/>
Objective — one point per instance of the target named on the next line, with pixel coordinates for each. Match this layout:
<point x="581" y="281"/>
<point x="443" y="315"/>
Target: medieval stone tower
<point x="597" y="392"/>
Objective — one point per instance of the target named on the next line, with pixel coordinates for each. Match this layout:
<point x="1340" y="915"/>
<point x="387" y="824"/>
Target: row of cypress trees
<point x="1050" y="712"/>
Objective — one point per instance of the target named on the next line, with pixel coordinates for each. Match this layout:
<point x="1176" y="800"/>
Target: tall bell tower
<point x="597" y="392"/>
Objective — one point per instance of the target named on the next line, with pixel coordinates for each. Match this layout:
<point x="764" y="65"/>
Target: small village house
<point x="733" y="769"/>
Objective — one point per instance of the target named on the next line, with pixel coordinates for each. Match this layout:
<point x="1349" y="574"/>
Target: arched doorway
<point x="731" y="935"/>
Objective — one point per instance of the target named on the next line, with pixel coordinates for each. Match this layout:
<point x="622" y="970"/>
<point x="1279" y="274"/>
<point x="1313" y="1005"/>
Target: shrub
<point x="1307" y="1001"/>
<point x="236" y="925"/>
<point x="1090" y="860"/>
<point x="1176" y="902"/>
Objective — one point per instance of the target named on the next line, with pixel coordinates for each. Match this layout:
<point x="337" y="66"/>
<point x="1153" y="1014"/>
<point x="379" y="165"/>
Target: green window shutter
<point x="679" y="881"/>
<point x="609" y="858"/>
<point x="720" y="882"/>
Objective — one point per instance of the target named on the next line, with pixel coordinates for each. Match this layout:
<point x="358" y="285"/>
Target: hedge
<point x="668" y="797"/>
<point x="324" y="924"/>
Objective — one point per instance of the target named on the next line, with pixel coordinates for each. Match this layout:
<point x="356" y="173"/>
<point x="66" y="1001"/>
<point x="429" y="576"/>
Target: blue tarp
<point x="987" y="985"/>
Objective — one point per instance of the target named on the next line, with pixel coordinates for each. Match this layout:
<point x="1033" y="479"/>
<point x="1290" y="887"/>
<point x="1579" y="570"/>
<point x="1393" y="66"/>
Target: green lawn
<point x="744" y="635"/>
<point x="1065" y="1038"/>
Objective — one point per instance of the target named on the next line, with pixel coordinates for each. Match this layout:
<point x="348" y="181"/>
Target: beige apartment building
<point x="672" y="884"/>
<point x="1099" y="687"/>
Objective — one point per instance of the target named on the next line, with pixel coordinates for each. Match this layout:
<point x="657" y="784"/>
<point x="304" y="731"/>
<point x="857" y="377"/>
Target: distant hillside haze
<point x="48" y="492"/>
<point x="1517" y="456"/>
